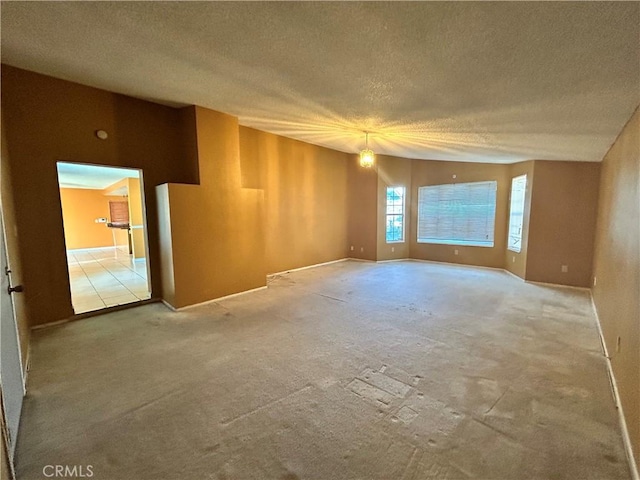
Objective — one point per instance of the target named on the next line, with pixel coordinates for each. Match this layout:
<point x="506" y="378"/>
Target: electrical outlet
<point x="393" y="249"/>
<point x="618" y="344"/>
<point x="352" y="248"/>
<point x="595" y="281"/>
<point x="564" y="268"/>
<point x="361" y="249"/>
<point x="513" y="259"/>
<point x="455" y="251"/>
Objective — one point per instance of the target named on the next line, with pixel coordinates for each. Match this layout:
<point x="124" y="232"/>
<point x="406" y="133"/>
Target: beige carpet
<point x="403" y="370"/>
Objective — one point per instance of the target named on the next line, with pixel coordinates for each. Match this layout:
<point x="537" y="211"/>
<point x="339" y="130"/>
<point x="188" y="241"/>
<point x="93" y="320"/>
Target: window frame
<point x="403" y="214"/>
<point x="490" y="243"/>
<point x="514" y="180"/>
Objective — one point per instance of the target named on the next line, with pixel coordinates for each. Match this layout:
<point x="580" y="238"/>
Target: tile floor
<point x="105" y="277"/>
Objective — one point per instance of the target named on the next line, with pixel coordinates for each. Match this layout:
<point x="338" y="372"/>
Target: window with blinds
<point x="516" y="213"/>
<point x="395" y="215"/>
<point x="457" y="214"/>
<point x="119" y="212"/>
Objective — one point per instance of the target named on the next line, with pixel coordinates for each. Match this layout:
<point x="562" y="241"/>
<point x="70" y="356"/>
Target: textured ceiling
<point x="75" y="175"/>
<point x="467" y="81"/>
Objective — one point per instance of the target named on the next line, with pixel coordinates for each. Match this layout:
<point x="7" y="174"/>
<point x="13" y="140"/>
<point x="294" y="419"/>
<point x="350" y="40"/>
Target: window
<point x="119" y="212"/>
<point x="395" y="214"/>
<point x="457" y="214"/>
<point x="516" y="213"/>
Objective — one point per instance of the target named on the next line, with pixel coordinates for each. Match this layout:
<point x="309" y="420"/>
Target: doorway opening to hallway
<point x="105" y="232"/>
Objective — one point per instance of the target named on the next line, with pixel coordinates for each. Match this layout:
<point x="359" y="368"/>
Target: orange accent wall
<point x="80" y="208"/>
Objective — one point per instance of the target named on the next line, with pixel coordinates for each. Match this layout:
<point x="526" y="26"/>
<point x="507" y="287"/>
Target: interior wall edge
<point x="616" y="269"/>
<point x="626" y="438"/>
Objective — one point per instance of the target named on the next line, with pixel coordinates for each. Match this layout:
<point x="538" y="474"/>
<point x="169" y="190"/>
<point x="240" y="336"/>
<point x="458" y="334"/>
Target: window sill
<point x="463" y="243"/>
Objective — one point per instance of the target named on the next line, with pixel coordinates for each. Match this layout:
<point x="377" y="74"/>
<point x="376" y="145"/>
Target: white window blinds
<point x="516" y="213"/>
<point x="457" y="214"/>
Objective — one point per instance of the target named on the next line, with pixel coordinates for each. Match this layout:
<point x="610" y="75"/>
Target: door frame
<point x="145" y="227"/>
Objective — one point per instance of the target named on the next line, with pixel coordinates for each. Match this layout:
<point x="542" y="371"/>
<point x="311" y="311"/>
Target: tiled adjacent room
<point x="106" y="277"/>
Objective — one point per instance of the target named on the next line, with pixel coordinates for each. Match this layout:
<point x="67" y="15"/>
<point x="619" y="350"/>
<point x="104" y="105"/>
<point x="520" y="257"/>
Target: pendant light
<point x="367" y="157"/>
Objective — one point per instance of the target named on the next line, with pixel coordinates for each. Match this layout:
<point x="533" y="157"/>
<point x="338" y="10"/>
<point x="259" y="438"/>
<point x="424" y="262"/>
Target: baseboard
<point x="392" y="260"/>
<point x="169" y="306"/>
<point x="513" y="274"/>
<point x="307" y="267"/>
<point x="454" y="264"/>
<point x="626" y="439"/>
<point x="72" y="250"/>
<point x="363" y="260"/>
<point x="558" y="285"/>
<point x="213" y="300"/>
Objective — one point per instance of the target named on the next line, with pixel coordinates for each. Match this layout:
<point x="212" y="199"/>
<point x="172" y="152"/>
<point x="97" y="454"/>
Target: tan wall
<point x="437" y="173"/>
<point x="48" y="120"/>
<point x="392" y="172"/>
<point x="215" y="230"/>
<point x="516" y="262"/>
<point x="362" y="198"/>
<point x="562" y="224"/>
<point x="80" y="208"/>
<point x="305" y="188"/>
<point x="617" y="268"/>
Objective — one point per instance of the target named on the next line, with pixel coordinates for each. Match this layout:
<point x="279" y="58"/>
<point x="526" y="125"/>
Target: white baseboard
<point x="454" y="264"/>
<point x="558" y="285"/>
<point x="307" y="267"/>
<point x="74" y="250"/>
<point x="213" y="300"/>
<point x="626" y="439"/>
<point x="513" y="275"/>
<point x="168" y="305"/>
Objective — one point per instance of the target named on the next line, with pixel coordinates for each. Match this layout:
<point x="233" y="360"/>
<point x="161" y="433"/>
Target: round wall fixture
<point x="102" y="135"/>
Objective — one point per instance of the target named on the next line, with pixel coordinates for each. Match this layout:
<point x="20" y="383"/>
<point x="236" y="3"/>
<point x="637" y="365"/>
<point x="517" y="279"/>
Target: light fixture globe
<point x="367" y="157"/>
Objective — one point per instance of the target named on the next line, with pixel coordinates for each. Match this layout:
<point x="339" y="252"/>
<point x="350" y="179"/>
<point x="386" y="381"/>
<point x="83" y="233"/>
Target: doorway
<point x="105" y="232"/>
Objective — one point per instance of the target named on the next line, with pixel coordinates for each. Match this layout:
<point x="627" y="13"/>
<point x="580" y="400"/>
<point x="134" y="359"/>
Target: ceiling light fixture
<point x="367" y="157"/>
